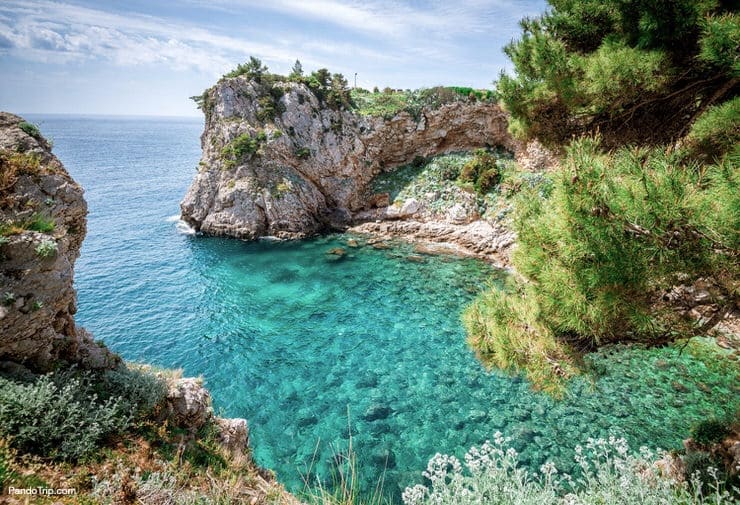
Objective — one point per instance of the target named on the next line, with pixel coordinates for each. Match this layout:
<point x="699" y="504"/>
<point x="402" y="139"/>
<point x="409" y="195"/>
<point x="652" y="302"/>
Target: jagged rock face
<point x="315" y="164"/>
<point x="37" y="299"/>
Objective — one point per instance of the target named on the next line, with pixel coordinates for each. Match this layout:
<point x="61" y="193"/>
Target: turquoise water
<point x="312" y="347"/>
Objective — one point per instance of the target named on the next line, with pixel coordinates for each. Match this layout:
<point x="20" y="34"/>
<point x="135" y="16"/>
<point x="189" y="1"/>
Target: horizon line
<point x="103" y="114"/>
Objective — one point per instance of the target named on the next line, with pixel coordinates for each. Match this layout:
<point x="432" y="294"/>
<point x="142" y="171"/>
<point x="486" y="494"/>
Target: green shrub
<point x="716" y="131"/>
<point x="720" y="41"/>
<point x="253" y="69"/>
<point x="40" y="223"/>
<point x="68" y="415"/>
<point x="57" y="416"/>
<point x="30" y="129"/>
<point x="473" y="94"/>
<point x="609" y="474"/>
<point x="505" y="330"/>
<point x="36" y="222"/>
<point x="137" y="389"/>
<point x="296" y="73"/>
<point x="629" y="69"/>
<point x="302" y="153"/>
<point x="482" y="171"/>
<point x="235" y="151"/>
<point x="46" y="249"/>
<point x="616" y="75"/>
<point x="266" y="110"/>
<point x="391" y="102"/>
<point x="205" y="103"/>
<point x="8" y="298"/>
<point x="13" y="165"/>
<point x="711" y="431"/>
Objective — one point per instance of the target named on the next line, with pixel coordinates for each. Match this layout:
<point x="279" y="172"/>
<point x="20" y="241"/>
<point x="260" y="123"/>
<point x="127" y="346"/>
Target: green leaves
<point x="253" y="69"/>
<point x="720" y="43"/>
<point x="621" y="67"/>
<point x="616" y="231"/>
<point x="717" y="131"/>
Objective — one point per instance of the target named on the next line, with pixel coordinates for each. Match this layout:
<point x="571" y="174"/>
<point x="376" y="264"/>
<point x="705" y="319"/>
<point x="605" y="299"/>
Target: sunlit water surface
<point x="313" y="348"/>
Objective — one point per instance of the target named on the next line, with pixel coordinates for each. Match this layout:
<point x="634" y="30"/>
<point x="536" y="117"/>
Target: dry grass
<point x="12" y="166"/>
<point x="157" y="465"/>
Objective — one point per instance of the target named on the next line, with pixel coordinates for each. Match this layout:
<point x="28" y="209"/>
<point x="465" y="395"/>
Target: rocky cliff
<point x="42" y="226"/>
<point x="278" y="161"/>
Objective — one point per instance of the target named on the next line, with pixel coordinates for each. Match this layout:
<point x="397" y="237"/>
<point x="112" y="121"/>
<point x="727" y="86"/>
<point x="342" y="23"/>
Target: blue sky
<point x="145" y="57"/>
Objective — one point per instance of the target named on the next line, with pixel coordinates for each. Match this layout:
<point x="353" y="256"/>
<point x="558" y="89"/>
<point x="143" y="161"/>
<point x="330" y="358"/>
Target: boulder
<point x="188" y="404"/>
<point x="233" y="435"/>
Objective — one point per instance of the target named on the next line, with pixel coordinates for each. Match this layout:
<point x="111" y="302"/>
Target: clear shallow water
<point x="303" y="344"/>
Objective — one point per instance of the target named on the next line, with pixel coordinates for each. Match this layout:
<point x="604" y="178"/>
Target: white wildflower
<point x="414" y="495"/>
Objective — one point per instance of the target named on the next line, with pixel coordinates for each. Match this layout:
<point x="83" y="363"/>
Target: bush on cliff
<point x="12" y="166"/>
<point x="241" y="146"/>
<point x="68" y="415"/>
<point x="390" y="102"/>
<point x="253" y="69"/>
<point x="612" y="235"/>
<point x="482" y="171"/>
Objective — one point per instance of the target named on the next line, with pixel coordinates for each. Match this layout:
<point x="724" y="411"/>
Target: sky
<point x="142" y="57"/>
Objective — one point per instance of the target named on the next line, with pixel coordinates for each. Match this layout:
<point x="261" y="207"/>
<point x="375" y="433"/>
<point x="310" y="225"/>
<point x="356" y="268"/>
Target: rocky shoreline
<point x="478" y="239"/>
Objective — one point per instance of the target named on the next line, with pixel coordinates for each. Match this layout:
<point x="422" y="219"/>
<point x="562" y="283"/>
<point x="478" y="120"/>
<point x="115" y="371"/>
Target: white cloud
<point x="389" y="18"/>
<point x="46" y="31"/>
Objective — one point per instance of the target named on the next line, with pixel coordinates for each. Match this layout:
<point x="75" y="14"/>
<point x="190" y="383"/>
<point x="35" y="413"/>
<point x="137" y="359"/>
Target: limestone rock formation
<point x="42" y="225"/>
<point x="188" y="403"/>
<point x="293" y="166"/>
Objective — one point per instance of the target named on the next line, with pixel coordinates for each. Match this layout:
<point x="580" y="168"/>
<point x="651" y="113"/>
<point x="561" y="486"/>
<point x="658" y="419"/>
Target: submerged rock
<point x="383" y="457"/>
<point x="377" y="411"/>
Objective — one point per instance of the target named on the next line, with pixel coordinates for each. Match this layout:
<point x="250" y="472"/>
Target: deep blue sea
<point x="313" y="348"/>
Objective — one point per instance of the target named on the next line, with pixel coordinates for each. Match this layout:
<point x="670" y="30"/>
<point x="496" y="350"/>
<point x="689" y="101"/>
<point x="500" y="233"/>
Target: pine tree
<point x="297" y="71"/>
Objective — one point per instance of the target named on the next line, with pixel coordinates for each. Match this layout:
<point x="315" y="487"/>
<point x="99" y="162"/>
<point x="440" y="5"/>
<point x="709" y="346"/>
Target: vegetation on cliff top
<point x="67" y="415"/>
<point x="599" y="254"/>
<point x="333" y="90"/>
<point x="389" y="102"/>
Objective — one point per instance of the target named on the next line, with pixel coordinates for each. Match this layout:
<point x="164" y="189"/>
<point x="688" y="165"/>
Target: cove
<point x="313" y="347"/>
